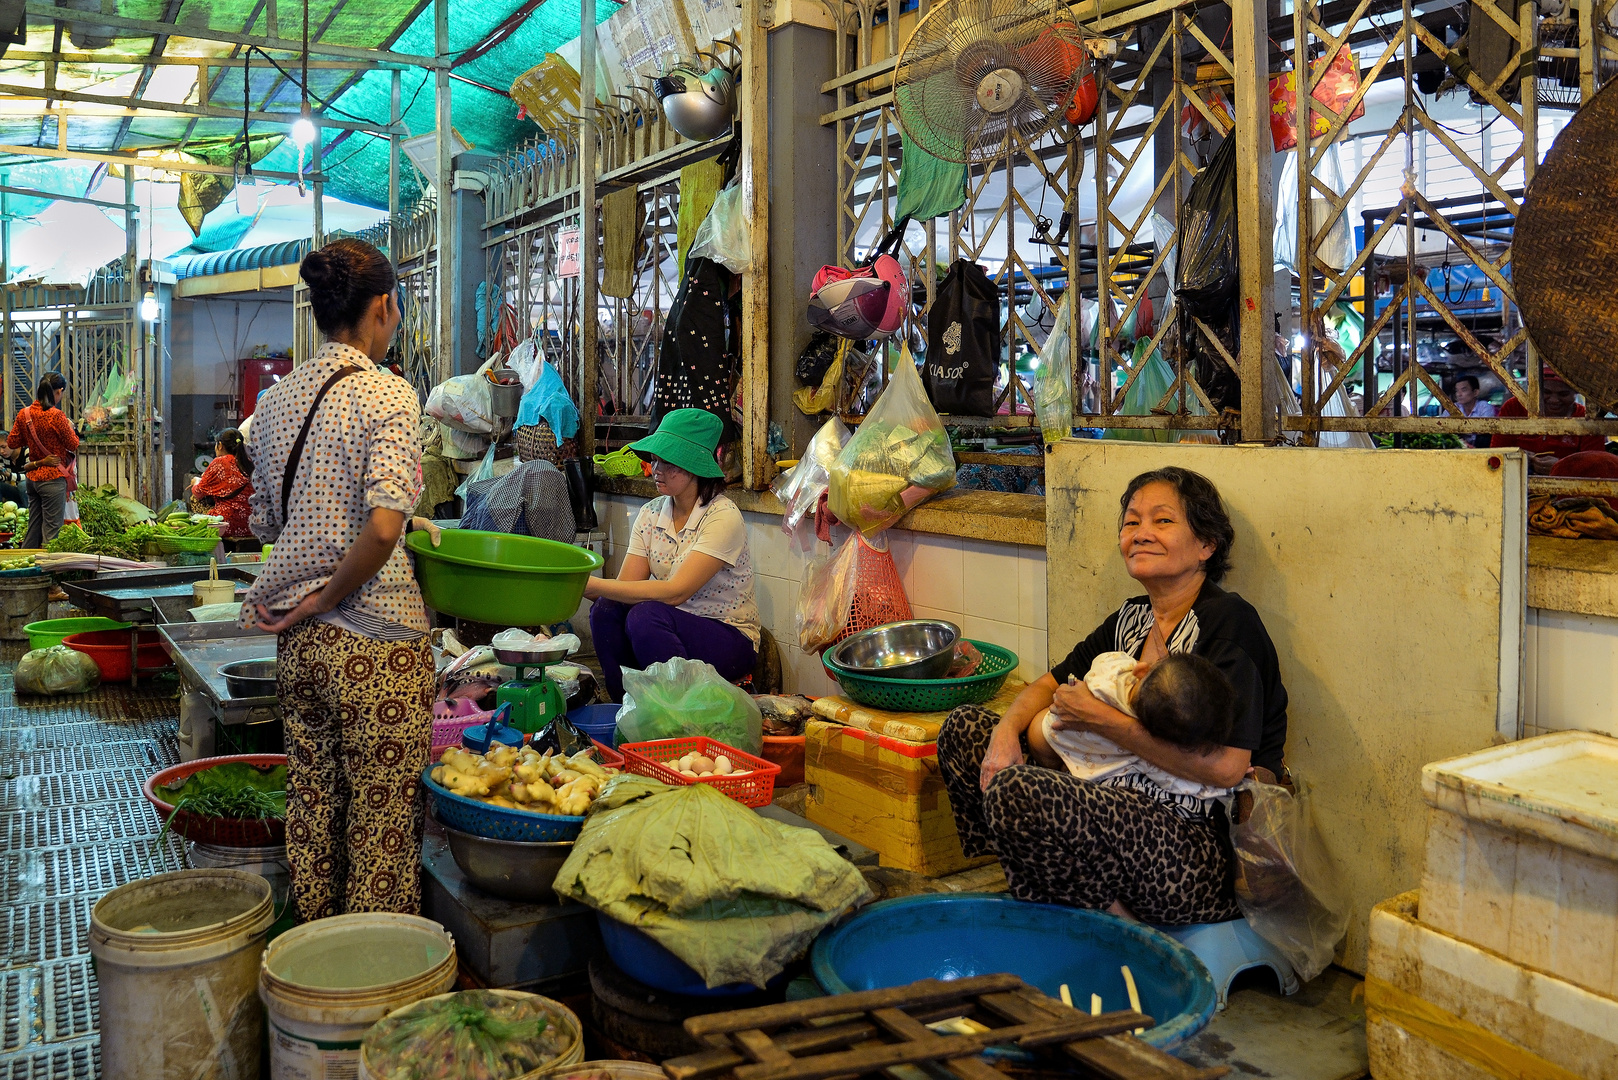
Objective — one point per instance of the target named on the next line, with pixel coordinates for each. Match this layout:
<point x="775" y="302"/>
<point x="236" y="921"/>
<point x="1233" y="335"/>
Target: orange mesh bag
<point x="879" y="594"/>
<point x="848" y="590"/>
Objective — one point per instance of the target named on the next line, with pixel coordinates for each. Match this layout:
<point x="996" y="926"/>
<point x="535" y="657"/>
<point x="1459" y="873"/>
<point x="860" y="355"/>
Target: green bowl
<point x="928" y="695"/>
<point x="196" y="545"/>
<point x="43" y="635"/>
<point x="499" y="578"/>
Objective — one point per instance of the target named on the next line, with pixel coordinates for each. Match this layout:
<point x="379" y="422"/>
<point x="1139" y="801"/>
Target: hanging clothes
<point x="622" y="221"/>
<point x="699" y="187"/>
<point x="928" y="187"/>
<point x="698" y="363"/>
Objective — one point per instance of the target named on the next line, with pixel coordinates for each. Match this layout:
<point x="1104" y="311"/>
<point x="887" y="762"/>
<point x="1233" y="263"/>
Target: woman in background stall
<point x="48" y="436"/>
<point x="225" y="487"/>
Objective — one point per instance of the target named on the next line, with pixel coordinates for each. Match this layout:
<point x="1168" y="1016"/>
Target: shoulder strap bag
<point x="296" y="456"/>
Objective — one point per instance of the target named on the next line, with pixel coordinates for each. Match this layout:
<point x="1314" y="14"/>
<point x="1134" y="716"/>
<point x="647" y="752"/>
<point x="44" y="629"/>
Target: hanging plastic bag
<point x="799" y="488"/>
<point x="1206" y="278"/>
<point x="484" y="471"/>
<point x="1336" y="248"/>
<point x="1143" y="396"/>
<point x="1335" y="88"/>
<point x="900" y="456"/>
<point x="548" y="400"/>
<point x="1286" y="885"/>
<point x="1053" y="385"/>
<point x="463" y="402"/>
<point x="681" y="697"/>
<point x="825" y="597"/>
<point x="57" y="670"/>
<point x="724" y="235"/>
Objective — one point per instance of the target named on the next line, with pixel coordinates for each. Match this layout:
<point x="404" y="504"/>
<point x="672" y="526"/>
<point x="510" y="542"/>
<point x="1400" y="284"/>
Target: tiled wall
<point x="1572" y="673"/>
<point x="994" y="592"/>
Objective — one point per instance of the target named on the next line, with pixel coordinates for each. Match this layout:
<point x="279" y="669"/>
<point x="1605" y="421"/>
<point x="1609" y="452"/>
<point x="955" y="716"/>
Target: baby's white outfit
<point x="1094" y="757"/>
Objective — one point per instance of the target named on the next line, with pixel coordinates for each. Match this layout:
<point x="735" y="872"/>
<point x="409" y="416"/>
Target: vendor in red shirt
<point x="51" y="441"/>
<point x="224" y="487"/>
<point x="1556" y="401"/>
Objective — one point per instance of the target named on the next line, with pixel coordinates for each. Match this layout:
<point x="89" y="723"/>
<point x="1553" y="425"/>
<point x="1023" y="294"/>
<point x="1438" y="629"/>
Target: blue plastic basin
<point x="600" y="722"/>
<point x="638" y="955"/>
<point x="896" y="942"/>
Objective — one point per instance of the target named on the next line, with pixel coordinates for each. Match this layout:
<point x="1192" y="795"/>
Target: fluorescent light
<point x="303" y="132"/>
<point x="1299" y="343"/>
<point x="149" y="311"/>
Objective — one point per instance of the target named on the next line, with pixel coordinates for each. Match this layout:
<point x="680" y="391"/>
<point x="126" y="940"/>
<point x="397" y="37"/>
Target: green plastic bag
<point x="1142" y="397"/>
<point x="1053" y="384"/>
<point x="57" y="670"/>
<point x="680" y="698"/>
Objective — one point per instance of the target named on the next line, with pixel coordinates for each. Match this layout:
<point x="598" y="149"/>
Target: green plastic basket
<point x="198" y="545"/>
<point x="928" y="695"/>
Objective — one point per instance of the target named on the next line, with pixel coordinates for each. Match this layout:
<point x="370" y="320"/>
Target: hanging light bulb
<point x="303" y="131"/>
<point x="149" y="311"/>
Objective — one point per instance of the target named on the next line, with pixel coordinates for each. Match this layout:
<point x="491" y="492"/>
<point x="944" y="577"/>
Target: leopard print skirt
<point x="1063" y="840"/>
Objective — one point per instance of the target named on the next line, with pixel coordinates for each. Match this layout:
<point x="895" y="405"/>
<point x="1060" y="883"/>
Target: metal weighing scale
<point x="535" y="699"/>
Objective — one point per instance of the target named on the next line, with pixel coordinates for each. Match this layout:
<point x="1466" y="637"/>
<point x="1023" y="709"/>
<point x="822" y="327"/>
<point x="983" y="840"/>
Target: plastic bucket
<point x="326" y="982"/>
<point x="22" y="601"/>
<point x="786" y="751"/>
<point x="42" y="635"/>
<point x="570" y="1056"/>
<point x="176" y="959"/>
<point x="110" y="650"/>
<point x="269" y="863"/>
<point x="600" y="722"/>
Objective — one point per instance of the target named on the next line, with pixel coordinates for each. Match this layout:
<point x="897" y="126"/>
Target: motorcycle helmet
<point x="859" y="304"/>
<point x="698" y="104"/>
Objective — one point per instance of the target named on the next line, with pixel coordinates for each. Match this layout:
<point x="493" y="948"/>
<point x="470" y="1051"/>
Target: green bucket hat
<point x="688" y="439"/>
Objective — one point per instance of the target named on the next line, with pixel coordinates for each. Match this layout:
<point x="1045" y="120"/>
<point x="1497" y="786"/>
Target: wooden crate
<point x="1439" y="1008"/>
<point x="1522" y="854"/>
<point x="886" y="794"/>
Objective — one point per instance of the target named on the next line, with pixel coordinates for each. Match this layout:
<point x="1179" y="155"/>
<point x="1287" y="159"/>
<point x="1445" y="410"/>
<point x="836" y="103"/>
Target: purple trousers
<point x="636" y="636"/>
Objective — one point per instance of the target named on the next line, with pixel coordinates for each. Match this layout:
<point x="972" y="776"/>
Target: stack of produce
<point x="524" y="779"/>
<point x="13" y="518"/>
<point x="204" y="804"/>
<point x="472" y="1035"/>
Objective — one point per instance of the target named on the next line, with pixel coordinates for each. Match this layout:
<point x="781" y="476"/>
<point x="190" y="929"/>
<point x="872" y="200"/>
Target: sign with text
<point x="567" y="253"/>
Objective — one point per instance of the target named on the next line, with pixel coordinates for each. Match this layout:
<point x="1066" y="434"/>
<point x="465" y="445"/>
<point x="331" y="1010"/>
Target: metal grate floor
<point x="73" y="824"/>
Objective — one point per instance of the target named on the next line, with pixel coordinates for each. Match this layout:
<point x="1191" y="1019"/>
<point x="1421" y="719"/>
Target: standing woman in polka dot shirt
<point x="686" y="585"/>
<point x="337" y="470"/>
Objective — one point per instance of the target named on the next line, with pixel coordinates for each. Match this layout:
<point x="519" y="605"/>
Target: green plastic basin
<point x="43" y="635"/>
<point x="493" y="577"/>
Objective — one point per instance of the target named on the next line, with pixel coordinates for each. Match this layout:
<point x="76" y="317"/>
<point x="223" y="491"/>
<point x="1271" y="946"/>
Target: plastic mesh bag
<point x="723" y="235"/>
<point x="899" y="456"/>
<point x="475" y="1034"/>
<point x="57" y="670"/>
<point x="848" y="590"/>
<point x="1286" y="885"/>
<point x="681" y="697"/>
<point x="800" y="487"/>
<point x="1053" y="386"/>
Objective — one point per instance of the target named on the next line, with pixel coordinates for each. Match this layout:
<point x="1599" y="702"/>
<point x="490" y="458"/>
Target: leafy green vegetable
<point x="72" y="539"/>
<point x="98" y="516"/>
<point x="234" y="790"/>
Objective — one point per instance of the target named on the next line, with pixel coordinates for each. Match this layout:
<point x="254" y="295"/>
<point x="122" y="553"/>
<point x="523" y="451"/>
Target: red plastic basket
<point x="222" y="832"/>
<point x="755" y="789"/>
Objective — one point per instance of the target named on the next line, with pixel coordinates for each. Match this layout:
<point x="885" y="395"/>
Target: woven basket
<point x="928" y="695"/>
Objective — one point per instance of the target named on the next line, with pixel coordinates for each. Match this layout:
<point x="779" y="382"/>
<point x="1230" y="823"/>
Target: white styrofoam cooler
<point x="1522" y="854"/>
<point x="1439" y="1008"/>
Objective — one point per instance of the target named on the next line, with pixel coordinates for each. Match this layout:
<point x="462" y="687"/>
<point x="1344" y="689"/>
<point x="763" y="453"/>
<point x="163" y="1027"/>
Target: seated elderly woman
<point x="1143" y="833"/>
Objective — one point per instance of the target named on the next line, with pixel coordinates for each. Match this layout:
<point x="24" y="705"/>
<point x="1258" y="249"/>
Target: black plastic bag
<point x="560" y="736"/>
<point x="963" y="342"/>
<point x="817" y="357"/>
<point x="1206" y="274"/>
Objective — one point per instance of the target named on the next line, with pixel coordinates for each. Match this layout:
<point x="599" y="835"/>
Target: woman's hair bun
<point x="321" y="270"/>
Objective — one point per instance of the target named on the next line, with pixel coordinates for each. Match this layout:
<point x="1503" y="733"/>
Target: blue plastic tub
<point x="496" y="822"/>
<point x="638" y="955"/>
<point x="896" y="942"/>
<point x="600" y="722"/>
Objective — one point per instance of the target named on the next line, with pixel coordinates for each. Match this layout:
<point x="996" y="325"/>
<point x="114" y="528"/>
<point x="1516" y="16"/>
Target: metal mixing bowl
<point x="509" y="869"/>
<point x="250" y="678"/>
<point x="917" y="649"/>
<point x="537" y="656"/>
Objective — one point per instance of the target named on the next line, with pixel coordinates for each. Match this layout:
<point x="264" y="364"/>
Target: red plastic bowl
<point x="222" y="832"/>
<point x="110" y="650"/>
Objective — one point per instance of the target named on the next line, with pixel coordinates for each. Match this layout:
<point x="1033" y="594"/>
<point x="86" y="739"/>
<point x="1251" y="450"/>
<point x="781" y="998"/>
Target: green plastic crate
<point x="929" y="695"/>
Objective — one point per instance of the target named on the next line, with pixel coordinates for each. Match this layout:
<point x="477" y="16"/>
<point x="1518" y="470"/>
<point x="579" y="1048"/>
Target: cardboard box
<point x="885" y="793"/>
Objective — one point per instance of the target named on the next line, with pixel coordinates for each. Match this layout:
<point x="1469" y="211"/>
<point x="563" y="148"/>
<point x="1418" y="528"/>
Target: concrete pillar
<point x="803" y="207"/>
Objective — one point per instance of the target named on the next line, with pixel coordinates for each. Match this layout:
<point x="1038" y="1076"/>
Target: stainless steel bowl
<point x="250" y="678"/>
<point x="536" y="656"/>
<point x="917" y="649"/>
<point x="509" y="869"/>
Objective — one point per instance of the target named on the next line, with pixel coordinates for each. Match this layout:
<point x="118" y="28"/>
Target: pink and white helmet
<point x="868" y="302"/>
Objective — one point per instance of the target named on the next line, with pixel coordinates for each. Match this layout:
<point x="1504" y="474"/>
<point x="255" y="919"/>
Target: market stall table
<point x="132" y="597"/>
<point x="199" y="650"/>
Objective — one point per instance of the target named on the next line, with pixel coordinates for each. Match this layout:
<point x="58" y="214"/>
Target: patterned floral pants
<point x="1063" y="840"/>
<point x="358" y="722"/>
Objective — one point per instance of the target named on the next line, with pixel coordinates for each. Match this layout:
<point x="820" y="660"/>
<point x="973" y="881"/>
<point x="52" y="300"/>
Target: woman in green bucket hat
<point x="686" y="584"/>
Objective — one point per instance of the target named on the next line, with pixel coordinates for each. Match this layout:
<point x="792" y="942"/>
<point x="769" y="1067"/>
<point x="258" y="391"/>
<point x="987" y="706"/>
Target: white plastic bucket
<point x="326" y="982"/>
<point x="571" y="1055"/>
<point x="177" y="956"/>
<point x="269" y="863"/>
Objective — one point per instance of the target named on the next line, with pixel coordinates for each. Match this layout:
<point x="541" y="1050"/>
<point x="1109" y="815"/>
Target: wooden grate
<point x="875" y="1031"/>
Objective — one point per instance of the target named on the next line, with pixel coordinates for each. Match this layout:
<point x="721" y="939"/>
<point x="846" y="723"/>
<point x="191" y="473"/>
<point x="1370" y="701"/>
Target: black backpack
<point x="963" y="342"/>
